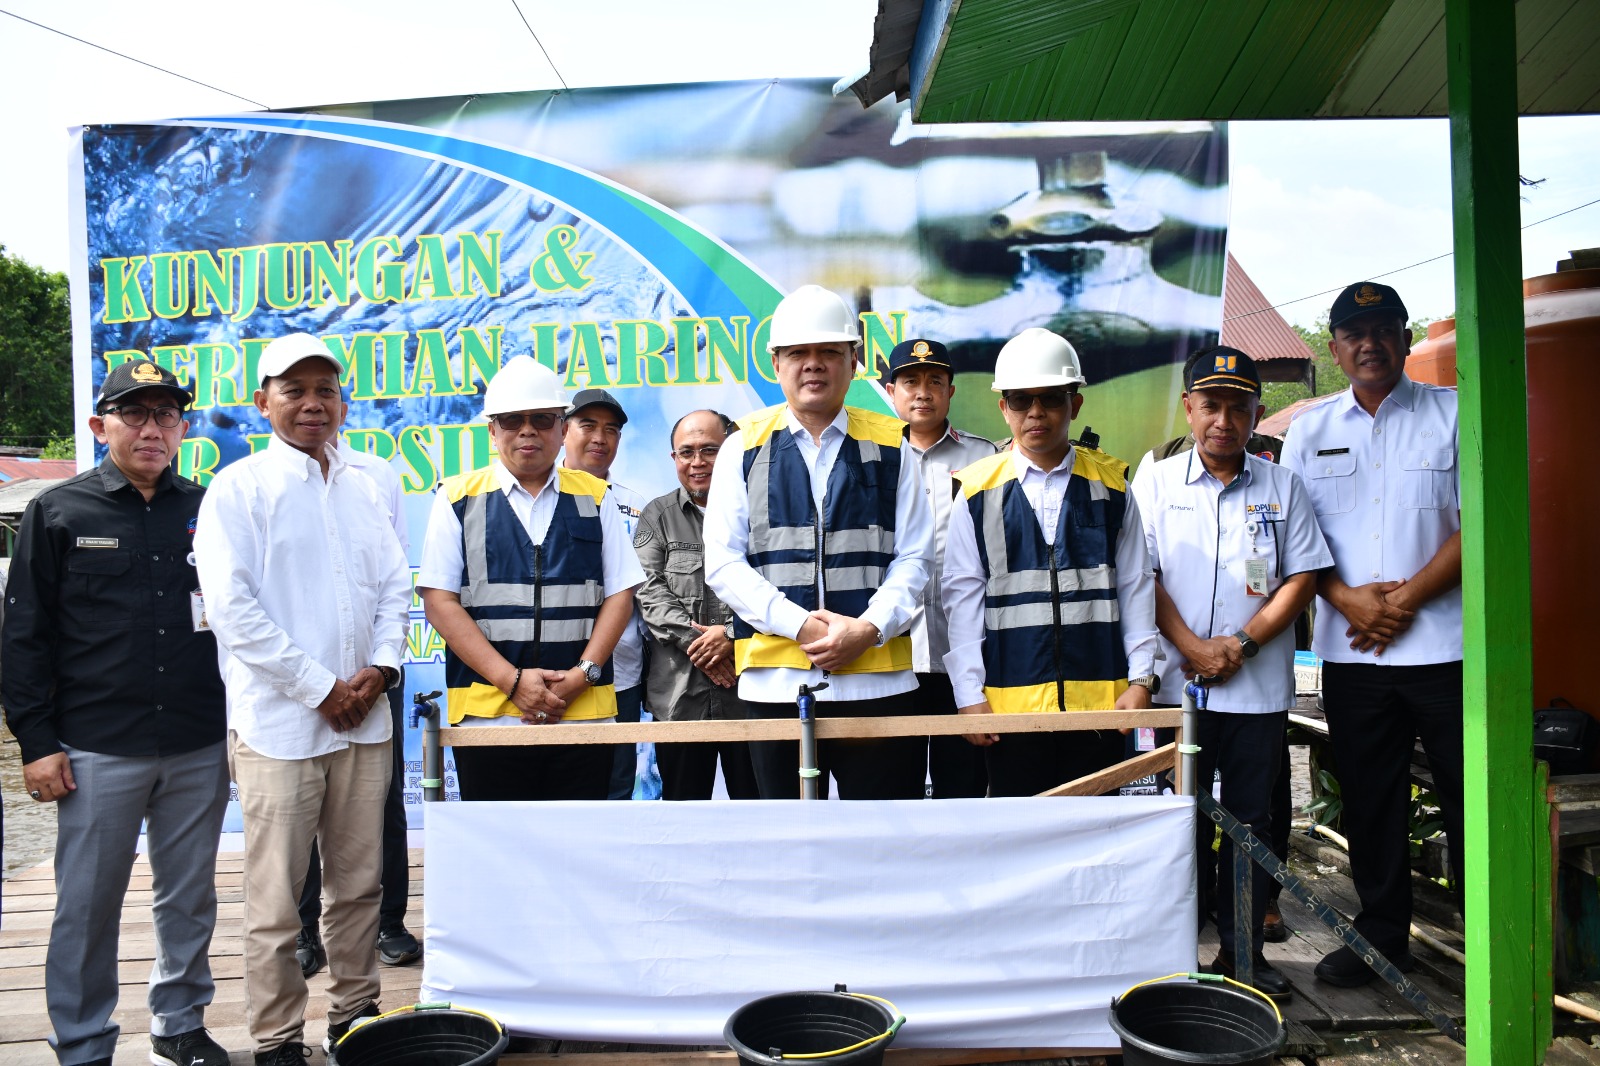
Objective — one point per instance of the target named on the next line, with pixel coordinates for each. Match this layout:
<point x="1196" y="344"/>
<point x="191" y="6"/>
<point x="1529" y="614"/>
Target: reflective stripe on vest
<point x="536" y="604"/>
<point x="857" y="531"/>
<point x="1052" y="636"/>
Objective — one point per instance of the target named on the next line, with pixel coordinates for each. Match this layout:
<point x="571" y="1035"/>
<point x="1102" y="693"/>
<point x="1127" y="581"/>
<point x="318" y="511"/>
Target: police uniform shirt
<point x="1386" y="496"/>
<point x="99" y="644"/>
<point x="1201" y="535"/>
<point x="965" y="585"/>
<point x="954" y="451"/>
<point x="444" y="565"/>
<point x="758" y="601"/>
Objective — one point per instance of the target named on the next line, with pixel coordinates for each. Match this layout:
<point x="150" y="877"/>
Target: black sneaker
<point x="194" y="1048"/>
<point x="396" y="947"/>
<point x="309" y="951"/>
<point x="293" y="1053"/>
<point x="337" y="1030"/>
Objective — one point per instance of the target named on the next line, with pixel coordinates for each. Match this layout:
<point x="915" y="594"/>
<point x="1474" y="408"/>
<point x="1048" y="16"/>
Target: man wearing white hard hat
<point x="308" y="592"/>
<point x="528" y="574"/>
<point x="1047" y="580"/>
<point x="817" y="536"/>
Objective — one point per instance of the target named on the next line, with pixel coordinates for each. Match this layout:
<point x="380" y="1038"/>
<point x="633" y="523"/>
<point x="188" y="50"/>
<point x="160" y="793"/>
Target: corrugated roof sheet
<point x="13" y="468"/>
<point x="1250" y="324"/>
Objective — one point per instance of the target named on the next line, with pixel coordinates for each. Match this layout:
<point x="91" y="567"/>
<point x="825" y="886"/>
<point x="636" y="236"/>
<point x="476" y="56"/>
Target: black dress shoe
<point x="1273" y="931"/>
<point x="1343" y="968"/>
<point x="1268" y="981"/>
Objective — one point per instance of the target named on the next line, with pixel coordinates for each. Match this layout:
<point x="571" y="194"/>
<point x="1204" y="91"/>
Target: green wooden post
<point x="1508" y="908"/>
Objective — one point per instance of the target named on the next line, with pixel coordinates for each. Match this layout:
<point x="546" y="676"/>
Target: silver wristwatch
<point x="591" y="671"/>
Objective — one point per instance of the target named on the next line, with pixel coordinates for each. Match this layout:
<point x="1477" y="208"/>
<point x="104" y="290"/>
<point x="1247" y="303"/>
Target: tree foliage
<point x="35" y="354"/>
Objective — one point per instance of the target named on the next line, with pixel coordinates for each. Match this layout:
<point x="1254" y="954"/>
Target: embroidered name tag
<point x="98" y="542"/>
<point x="1268" y="512"/>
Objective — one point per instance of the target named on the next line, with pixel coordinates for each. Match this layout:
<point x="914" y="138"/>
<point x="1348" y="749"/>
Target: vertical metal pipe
<point x="423" y="707"/>
<point x="807" y="702"/>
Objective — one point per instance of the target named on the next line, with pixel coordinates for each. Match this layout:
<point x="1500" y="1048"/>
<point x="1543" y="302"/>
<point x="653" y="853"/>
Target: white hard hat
<point x="811" y="315"/>
<point x="286" y="351"/>
<point x="523" y="384"/>
<point x="1036" y="359"/>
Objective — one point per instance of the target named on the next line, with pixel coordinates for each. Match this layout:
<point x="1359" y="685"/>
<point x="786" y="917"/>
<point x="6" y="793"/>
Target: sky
<point x="1315" y="205"/>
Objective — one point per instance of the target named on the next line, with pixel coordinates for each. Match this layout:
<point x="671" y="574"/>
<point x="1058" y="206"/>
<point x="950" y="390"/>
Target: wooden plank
<point x="1390" y="1049"/>
<point x="893" y="1057"/>
<point x="789" y="729"/>
<point x="1095" y="784"/>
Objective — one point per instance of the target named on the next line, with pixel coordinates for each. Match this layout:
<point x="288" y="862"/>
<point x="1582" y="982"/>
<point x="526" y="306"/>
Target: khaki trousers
<point x="338" y="800"/>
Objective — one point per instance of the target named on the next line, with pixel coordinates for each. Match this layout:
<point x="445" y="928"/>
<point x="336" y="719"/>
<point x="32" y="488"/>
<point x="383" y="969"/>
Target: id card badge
<point x="1255" y="577"/>
<point x="197" y="612"/>
<point x="1146" y="739"/>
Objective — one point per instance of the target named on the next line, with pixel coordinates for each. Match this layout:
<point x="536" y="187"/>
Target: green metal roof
<point x="1128" y="60"/>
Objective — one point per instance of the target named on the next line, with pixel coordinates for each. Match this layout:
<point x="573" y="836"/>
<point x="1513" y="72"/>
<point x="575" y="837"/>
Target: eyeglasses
<point x="543" y="421"/>
<point x="1050" y="401"/>
<point x="134" y="415"/>
<point x="707" y="452"/>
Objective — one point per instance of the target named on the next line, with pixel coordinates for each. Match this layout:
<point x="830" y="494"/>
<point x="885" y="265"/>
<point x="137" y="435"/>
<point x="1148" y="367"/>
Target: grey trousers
<point x="183" y="797"/>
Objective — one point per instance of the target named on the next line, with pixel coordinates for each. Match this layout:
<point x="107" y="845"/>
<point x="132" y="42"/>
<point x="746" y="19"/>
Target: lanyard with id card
<point x="1259" y="518"/>
<point x="197" y="607"/>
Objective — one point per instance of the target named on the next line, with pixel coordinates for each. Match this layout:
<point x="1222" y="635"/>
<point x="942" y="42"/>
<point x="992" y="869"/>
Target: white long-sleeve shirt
<point x="965" y="583"/>
<point x="760" y="603"/>
<point x="305" y="583"/>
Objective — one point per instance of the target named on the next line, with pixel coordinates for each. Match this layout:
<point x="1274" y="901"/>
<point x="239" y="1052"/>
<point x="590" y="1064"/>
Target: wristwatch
<point x="591" y="671"/>
<point x="728" y="629"/>
<point x="391" y="676"/>
<point x="1149" y="681"/>
<point x="1247" y="644"/>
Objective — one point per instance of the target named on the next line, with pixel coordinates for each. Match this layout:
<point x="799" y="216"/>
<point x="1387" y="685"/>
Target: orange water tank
<point x="1562" y="312"/>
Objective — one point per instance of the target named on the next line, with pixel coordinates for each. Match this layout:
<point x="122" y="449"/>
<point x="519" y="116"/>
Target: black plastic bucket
<point x="1196" y="1021"/>
<point x="812" y="1023"/>
<point x="425" y="1035"/>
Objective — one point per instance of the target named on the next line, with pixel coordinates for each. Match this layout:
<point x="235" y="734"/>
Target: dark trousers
<point x="543" y="772"/>
<point x="866" y="768"/>
<point x="1375" y="715"/>
<point x="625" y="757"/>
<point x="1026" y="764"/>
<point x="395" y="875"/>
<point x="955" y="765"/>
<point x="689" y="771"/>
<point x="1248" y="749"/>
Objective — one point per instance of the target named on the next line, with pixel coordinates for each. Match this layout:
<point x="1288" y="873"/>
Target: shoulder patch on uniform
<point x="642" y="537"/>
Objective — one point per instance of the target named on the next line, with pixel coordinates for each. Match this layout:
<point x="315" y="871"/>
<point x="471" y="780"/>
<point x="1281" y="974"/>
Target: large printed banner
<point x="633" y="239"/>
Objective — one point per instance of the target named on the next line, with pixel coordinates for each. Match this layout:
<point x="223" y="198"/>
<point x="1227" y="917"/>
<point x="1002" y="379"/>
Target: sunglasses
<point x="1050" y="401"/>
<point x="543" y="421"/>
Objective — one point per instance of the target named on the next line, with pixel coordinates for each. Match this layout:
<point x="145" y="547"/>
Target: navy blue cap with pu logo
<point x="1221" y="367"/>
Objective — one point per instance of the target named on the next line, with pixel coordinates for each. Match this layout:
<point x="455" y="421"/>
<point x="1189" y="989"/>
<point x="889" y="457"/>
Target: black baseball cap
<point x="919" y="352"/>
<point x="138" y="374"/>
<point x="1364" y="297"/>
<point x="590" y="397"/>
<point x="1221" y="367"/>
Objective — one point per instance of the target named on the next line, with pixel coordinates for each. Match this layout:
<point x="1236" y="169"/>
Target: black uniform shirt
<point x="98" y="644"/>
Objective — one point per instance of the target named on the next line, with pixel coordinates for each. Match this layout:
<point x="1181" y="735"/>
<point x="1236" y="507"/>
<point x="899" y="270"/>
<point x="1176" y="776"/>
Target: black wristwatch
<point x="1247" y="644"/>
<point x="391" y="676"/>
<point x="591" y="671"/>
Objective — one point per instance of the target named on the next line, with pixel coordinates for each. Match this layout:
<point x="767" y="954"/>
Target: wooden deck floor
<point x="1354" y="1026"/>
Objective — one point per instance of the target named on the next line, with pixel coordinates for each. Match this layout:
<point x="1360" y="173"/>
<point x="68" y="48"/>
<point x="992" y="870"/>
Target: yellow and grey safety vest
<point x="1052" y="632"/>
<point x="536" y="603"/>
<point x="849" y="548"/>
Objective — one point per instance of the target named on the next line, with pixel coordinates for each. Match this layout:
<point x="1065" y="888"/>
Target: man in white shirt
<point x="1236" y="551"/>
<point x="817" y="536"/>
<point x="1380" y="463"/>
<point x="396" y="945"/>
<point x="921" y="383"/>
<point x="1053" y="609"/>
<point x="528" y="574"/>
<point x="593" y="435"/>
<point x="308" y="592"/>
